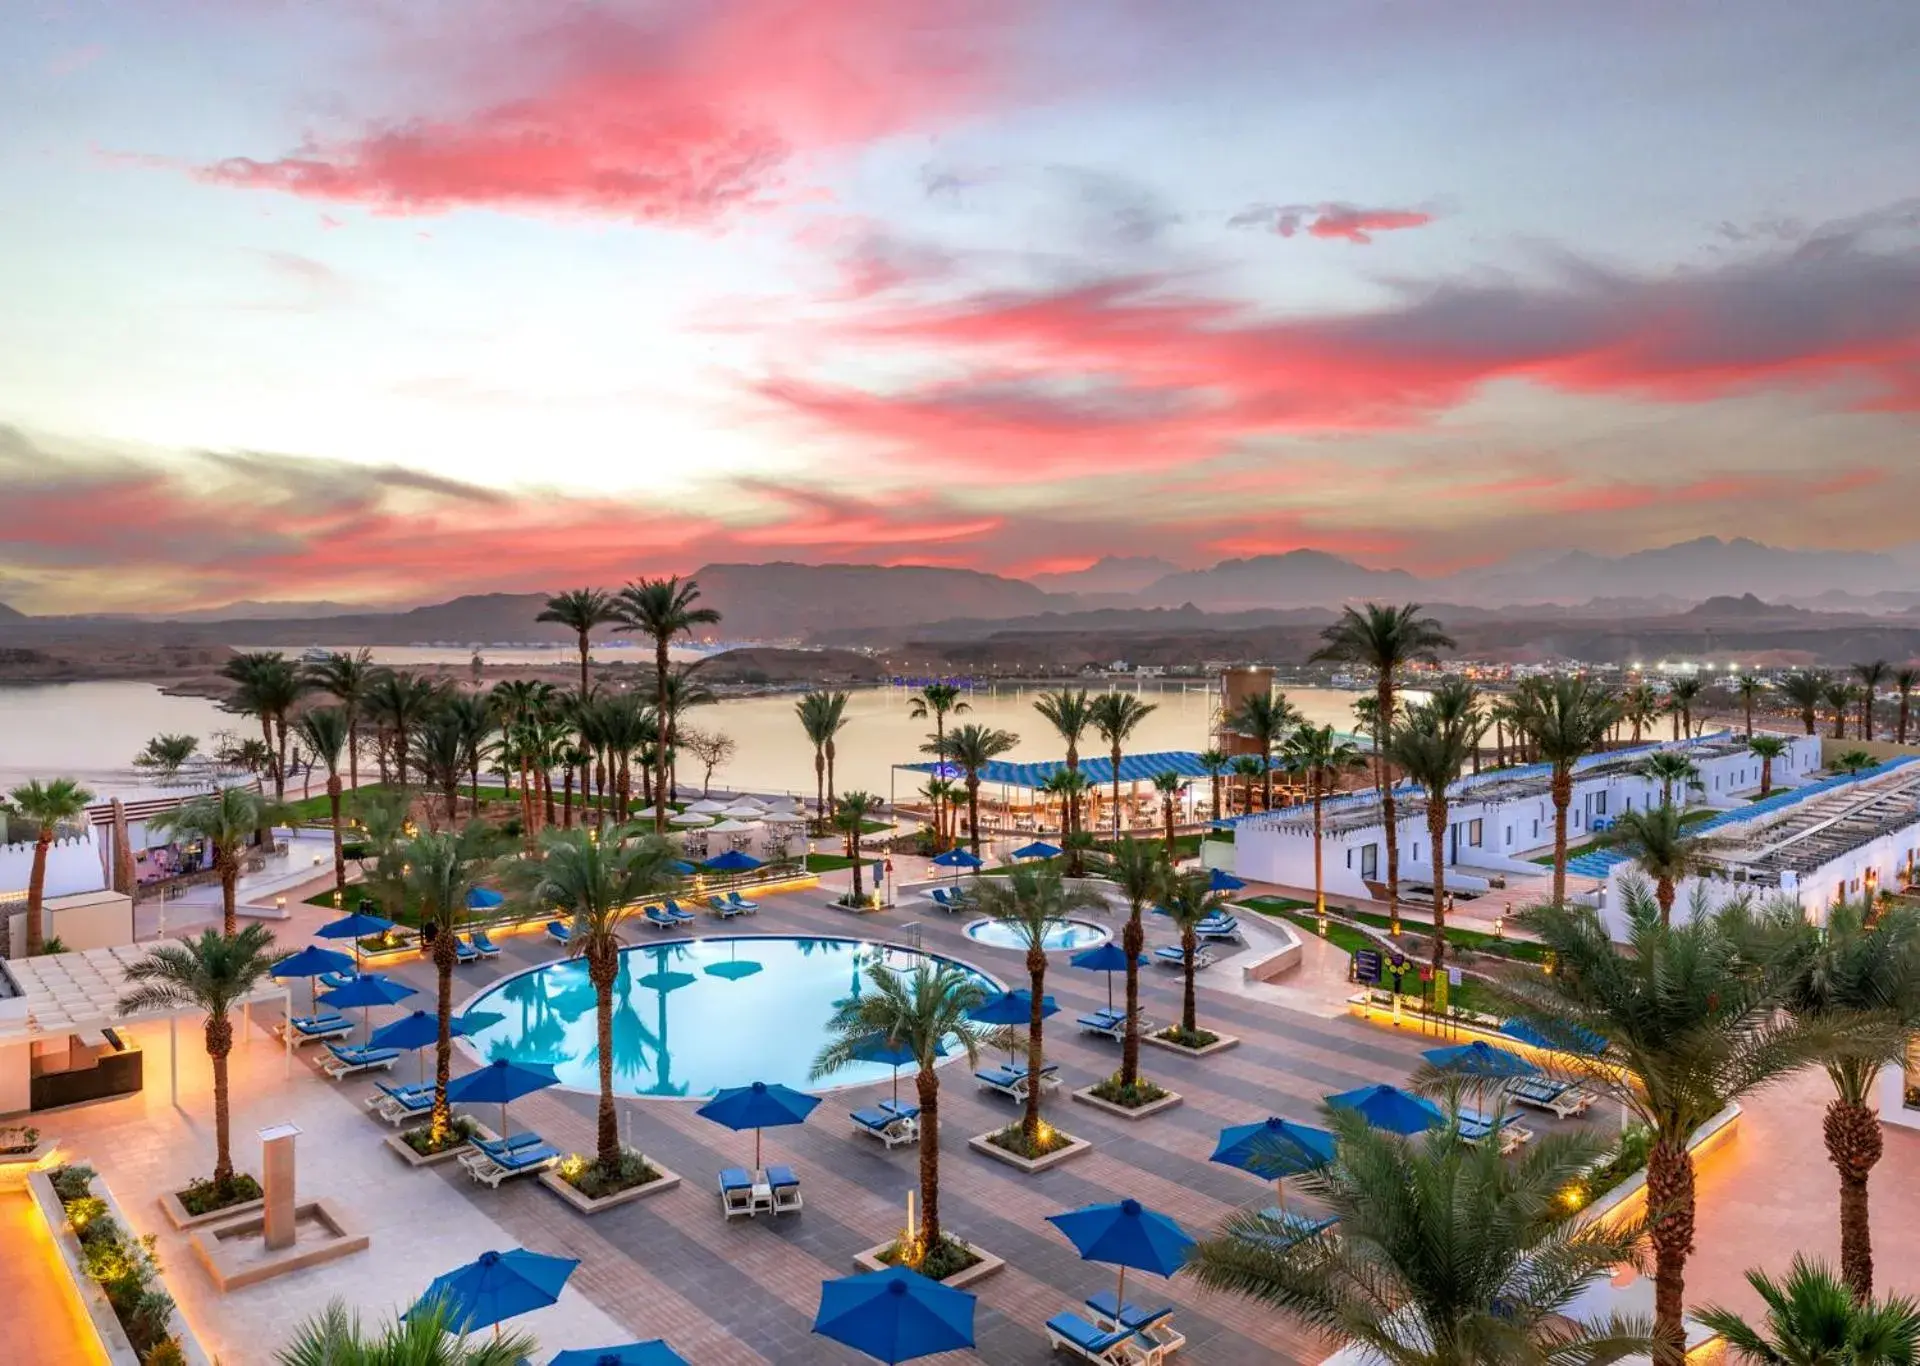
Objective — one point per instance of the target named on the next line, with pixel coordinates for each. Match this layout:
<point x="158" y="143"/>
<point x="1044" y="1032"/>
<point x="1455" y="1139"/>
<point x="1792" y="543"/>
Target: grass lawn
<point x="1478" y="940"/>
<point x="1342" y="937"/>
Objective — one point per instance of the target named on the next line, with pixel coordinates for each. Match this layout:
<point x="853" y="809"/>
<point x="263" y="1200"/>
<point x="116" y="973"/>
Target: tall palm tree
<point x="1459" y="701"/>
<point x="1639" y="707"/>
<point x="923" y="1010"/>
<point x="1838" y="695"/>
<point x="347" y="678"/>
<point x="626" y="727"/>
<point x="1445" y="1254"/>
<point x="833" y="720"/>
<point x="1266" y="719"/>
<point x="1766" y="748"/>
<point x="1806" y="690"/>
<point x="1031" y="901"/>
<point x="1188" y="899"/>
<point x="1070" y="712"/>
<point x="1319" y="755"/>
<point x="1432" y="749"/>
<point x="225" y="820"/>
<point x="1247" y="767"/>
<point x="850" y="814"/>
<point x="439" y="752"/>
<point x="267" y="685"/>
<point x="1139" y="871"/>
<point x="1872" y="675"/>
<point x="1168" y="786"/>
<point x="1565" y="719"/>
<point x="813" y="711"/>
<point x="475" y="723"/>
<point x="1657" y="839"/>
<point x="400" y="703"/>
<point x="422" y="1337"/>
<point x="940" y="794"/>
<point x="48" y="805"/>
<point x="1689" y="1020"/>
<point x="323" y="730"/>
<point x="1385" y="640"/>
<point x="1860" y="969"/>
<point x="1669" y="767"/>
<point x="521" y="704"/>
<point x="598" y="878"/>
<point x="1747" y="688"/>
<point x="937" y="700"/>
<point x="971" y="748"/>
<point x="663" y="609"/>
<point x="1214" y="762"/>
<point x="1116" y="715"/>
<point x="1681" y="696"/>
<point x="685" y="692"/>
<point x="213" y="973"/>
<point x="439" y="871"/>
<point x="1904" y="679"/>
<point x="580" y="610"/>
<point x="1069" y="785"/>
<point x="1814" y="1319"/>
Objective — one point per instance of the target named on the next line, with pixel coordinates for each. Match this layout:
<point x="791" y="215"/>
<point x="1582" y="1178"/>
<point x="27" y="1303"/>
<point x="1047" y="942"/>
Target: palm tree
<point x="1116" y="715"/>
<point x="685" y="692"/>
<point x="323" y="730"/>
<point x="213" y="973"/>
<point x="438" y="871"/>
<point x="1851" y="762"/>
<point x="1639" y="708"/>
<point x="1690" y="1021"/>
<point x="1385" y="640"/>
<point x="1246" y="767"/>
<point x="850" y="815"/>
<point x="1266" y="719"/>
<point x="1445" y="1254"/>
<point x="1031" y="901"/>
<point x="1815" y="1319"/>
<point x="811" y="708"/>
<point x="347" y="678"/>
<point x="925" y="1011"/>
<point x="598" y="878"/>
<point x="662" y="609"/>
<point x="580" y="610"/>
<point x="440" y="753"/>
<point x="1860" y="969"/>
<point x="1681" y="696"/>
<point x="1070" y="713"/>
<point x="1838" y="696"/>
<point x="1139" y="872"/>
<point x="48" y="806"/>
<point x="625" y="725"/>
<point x="1658" y="840"/>
<point x="225" y="820"/>
<point x="971" y="748"/>
<point x="1566" y="719"/>
<point x="1806" y="690"/>
<point x="1320" y="756"/>
<point x="1747" y="688"/>
<point x="267" y="685"/>
<point x="400" y="703"/>
<point x="833" y="720"/>
<point x="1432" y="750"/>
<point x="936" y="700"/>
<point x="474" y="721"/>
<point x="940" y="794"/>
<point x="422" y="1337"/>
<point x="1168" y="785"/>
<point x="1214" y="762"/>
<point x="1872" y="675"/>
<point x="1069" y="785"/>
<point x="1766" y="748"/>
<point x="1668" y="767"/>
<point x="167" y="753"/>
<point x="521" y="705"/>
<point x="1904" y="679"/>
<point x="1188" y="899"/>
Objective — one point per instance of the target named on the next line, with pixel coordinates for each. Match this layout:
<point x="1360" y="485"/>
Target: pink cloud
<point x="1331" y="222"/>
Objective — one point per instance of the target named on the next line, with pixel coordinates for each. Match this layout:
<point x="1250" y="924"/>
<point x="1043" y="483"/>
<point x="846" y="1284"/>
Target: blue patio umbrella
<point x="1389" y="1108"/>
<point x="499" y="1082"/>
<point x="368" y="990"/>
<point x="879" y="1048"/>
<point x="311" y="962"/>
<point x="421" y="1029"/>
<point x="653" y="1352"/>
<point x="956" y="858"/>
<point x="1218" y="880"/>
<point x="680" y="867"/>
<point x="733" y="861"/>
<point x="1011" y="1008"/>
<point x="497" y="1286"/>
<point x="356" y="927"/>
<point x="1108" y="958"/>
<point x="1125" y="1234"/>
<point x="1482" y="1060"/>
<point x="763" y="1105"/>
<point x="735" y="967"/>
<point x="1038" y="849"/>
<point x="1274" y="1148"/>
<point x="1556" y="1036"/>
<point x="484" y="899"/>
<point x="895" y="1315"/>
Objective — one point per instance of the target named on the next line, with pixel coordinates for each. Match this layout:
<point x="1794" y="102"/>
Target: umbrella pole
<point x="756" y="1151"/>
<point x="1109" y="993"/>
<point x="1120" y="1307"/>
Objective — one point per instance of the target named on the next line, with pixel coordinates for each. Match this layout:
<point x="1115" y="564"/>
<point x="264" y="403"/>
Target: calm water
<point x="93" y="730"/>
<point x="1060" y="936"/>
<point x="692" y="1016"/>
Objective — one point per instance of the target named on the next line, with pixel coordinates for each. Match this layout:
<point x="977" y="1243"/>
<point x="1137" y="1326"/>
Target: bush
<point x="204" y="1197"/>
<point x="18" y="1138"/>
<point x="125" y="1268"/>
<point x="1142" y="1092"/>
<point x="1013" y="1138"/>
<point x="1197" y="1038"/>
<point x="584" y="1175"/>
<point x="166" y="1352"/>
<point x="948" y="1258"/>
<point x="462" y="1129"/>
<point x="353" y="849"/>
<point x="72" y="1183"/>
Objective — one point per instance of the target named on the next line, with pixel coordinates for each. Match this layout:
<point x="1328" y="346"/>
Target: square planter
<point x="15" y="1166"/>
<point x="407" y="1155"/>
<point x="988" y="1265"/>
<point x="1220" y="1044"/>
<point x="1086" y="1097"/>
<point x="982" y="1143"/>
<point x="663" y="1182"/>
<point x="177" y="1213"/>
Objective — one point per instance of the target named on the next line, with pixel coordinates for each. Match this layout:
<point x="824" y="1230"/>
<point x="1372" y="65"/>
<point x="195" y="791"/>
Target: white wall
<point x="73" y="865"/>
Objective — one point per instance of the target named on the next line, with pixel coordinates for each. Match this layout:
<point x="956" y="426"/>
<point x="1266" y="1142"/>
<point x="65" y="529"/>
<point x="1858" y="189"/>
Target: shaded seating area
<point x="736" y="1192"/>
<point x="1154" y="1326"/>
<point x="308" y="1029"/>
<point x="892" y="1126"/>
<point x="397" y="1104"/>
<point x="1069" y="1333"/>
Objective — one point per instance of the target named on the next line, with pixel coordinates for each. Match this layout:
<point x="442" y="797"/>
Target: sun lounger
<point x="723" y="908"/>
<point x="348" y="1061"/>
<point x="1476" y="1126"/>
<point x="679" y="912"/>
<point x="900" y="1107"/>
<point x="498" y="1147"/>
<point x="333" y="981"/>
<point x="1109" y="1024"/>
<point x="1172" y="956"/>
<point x="1069" y="1332"/>
<point x="1289" y="1226"/>
<point x="786" y="1190"/>
<point x="660" y="920"/>
<point x="493" y="1168"/>
<point x="560" y="932"/>
<point x="890" y="1128"/>
<point x="483" y="944"/>
<point x="1561" y="1098"/>
<point x="397" y="1104"/>
<point x="1013" y="1082"/>
<point x="946" y="898"/>
<point x="1155" y="1326"/>
<point x="736" y="1192"/>
<point x="464" y="953"/>
<point x="741" y="904"/>
<point x="314" y="1028"/>
<point x="1219" y="929"/>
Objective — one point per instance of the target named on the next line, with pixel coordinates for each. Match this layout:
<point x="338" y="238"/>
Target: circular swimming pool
<point x="1060" y="936"/>
<point x="693" y="1015"/>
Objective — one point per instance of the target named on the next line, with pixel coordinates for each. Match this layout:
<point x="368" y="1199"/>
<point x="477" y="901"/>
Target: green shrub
<point x="71" y="1182"/>
<point x="166" y="1352"/>
<point x="1142" y="1092"/>
<point x="204" y="1196"/>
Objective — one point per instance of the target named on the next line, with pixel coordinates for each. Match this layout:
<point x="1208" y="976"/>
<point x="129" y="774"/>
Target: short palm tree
<point x="1384" y="640"/>
<point x="1139" y="871"/>
<point x="1814" y="1319"/>
<point x="323" y="730"/>
<point x="1031" y="901"/>
<point x="347" y="678"/>
<point x="1766" y="748"/>
<point x="475" y="722"/>
<point x="1566" y="719"/>
<point x="937" y="700"/>
<point x="1168" y="786"/>
<point x="48" y="806"/>
<point x="580" y="610"/>
<point x="1432" y="749"/>
<point x="1246" y="767"/>
<point x="924" y="1010"/>
<point x="1658" y="841"/>
<point x="1806" y="690"/>
<point x="1851" y="762"/>
<point x="970" y="748"/>
<point x="941" y="794"/>
<point x="1459" y="701"/>
<point x="850" y="815"/>
<point x="1689" y="1021"/>
<point x="1905" y="678"/>
<point x="334" y="1337"/>
<point x="225" y="820"/>
<point x="662" y="609"/>
<point x="1069" y="785"/>
<point x="440" y="754"/>
<point x="1838" y="695"/>
<point x="1445" y="1254"/>
<point x="1116" y="715"/>
<point x="438" y="873"/>
<point x="1872" y="675"/>
<point x="1266" y="719"/>
<point x="1188" y="899"/>
<point x="598" y="878"/>
<point x="1214" y="762"/>
<point x="1670" y="768"/>
<point x="1747" y="688"/>
<point x="1070" y="712"/>
<point x="213" y="973"/>
<point x="166" y="754"/>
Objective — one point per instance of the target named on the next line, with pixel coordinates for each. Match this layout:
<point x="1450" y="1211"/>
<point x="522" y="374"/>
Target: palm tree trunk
<point x="1319" y="879"/>
<point x="1188" y="1006"/>
<point x="660" y="718"/>
<point x="1133" y="939"/>
<point x="1902" y="722"/>
<point x="853" y="853"/>
<point x="1562" y="798"/>
<point x="603" y="967"/>
<point x="339" y="846"/>
<point x="1663" y="897"/>
<point x="928" y="1084"/>
<point x="820" y="787"/>
<point x="1116" y="793"/>
<point x="219" y="1045"/>
<point x="973" y="811"/>
<point x="1671" y="1198"/>
<point x="1167" y="805"/>
<point x="444" y="953"/>
<point x="1036" y="977"/>
<point x="1214" y="780"/>
<point x="1749" y="707"/>
<point x="583" y="667"/>
<point x="1437" y="834"/>
<point x="1766" y="776"/>
<point x="353" y="750"/>
<point x="830" y="758"/>
<point x="1853" y="1146"/>
<point x="37" y="893"/>
<point x="229" y="876"/>
<point x="1382" y="737"/>
<point x="1266" y="775"/>
<point x="566" y="809"/>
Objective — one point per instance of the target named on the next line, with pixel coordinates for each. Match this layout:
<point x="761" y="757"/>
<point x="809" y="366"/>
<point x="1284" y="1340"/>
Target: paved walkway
<point x="43" y="1321"/>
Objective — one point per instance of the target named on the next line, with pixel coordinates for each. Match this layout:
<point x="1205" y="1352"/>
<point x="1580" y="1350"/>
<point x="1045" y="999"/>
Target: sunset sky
<point x="387" y="301"/>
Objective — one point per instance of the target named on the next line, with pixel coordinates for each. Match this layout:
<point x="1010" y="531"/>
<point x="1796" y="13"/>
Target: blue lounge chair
<point x="333" y="981"/>
<point x="490" y="1169"/>
<point x="1069" y="1332"/>
<point x="483" y="945"/>
<point x="900" y="1107"/>
<point x="1014" y="1082"/>
<point x="947" y="899"/>
<point x="679" y="912"/>
<point x="890" y="1128"/>
<point x="723" y="908"/>
<point x="314" y="1028"/>
<point x="1155" y="1326"/>
<point x="786" y="1190"/>
<point x="1291" y="1226"/>
<point x="1173" y="956"/>
<point x="463" y="952"/>
<point x="1476" y="1126"/>
<point x="741" y="904"/>
<point x="1109" y="1024"/>
<point x="1563" y="1099"/>
<point x="494" y="1147"/>
<point x="660" y="920"/>
<point x="736" y="1192"/>
<point x="560" y="932"/>
<point x="1225" y="928"/>
<point x="396" y="1104"/>
<point x="347" y="1061"/>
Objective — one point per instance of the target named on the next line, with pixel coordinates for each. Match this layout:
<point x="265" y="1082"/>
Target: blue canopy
<point x="878" y="1048"/>
<point x="1107" y="957"/>
<point x="312" y="961"/>
<point x="1126" y="1234"/>
<point x="359" y="925"/>
<point x="1390" y="1108"/>
<point x="499" y="1082"/>
<point x="1274" y="1148"/>
<point x="1098" y="770"/>
<point x="680" y="867"/>
<point x="763" y="1105"/>
<point x="895" y="1315"/>
<point x="957" y="858"/>
<point x="422" y="1028"/>
<point x="1221" y="881"/>
<point x="1011" y="1008"/>
<point x="496" y="1287"/>
<point x="370" y="989"/>
<point x="733" y="861"/>
<point x="653" y="1352"/>
<point x="1556" y="1036"/>
<point x="484" y="899"/>
<point x="1480" y="1059"/>
<point x="1038" y="849"/>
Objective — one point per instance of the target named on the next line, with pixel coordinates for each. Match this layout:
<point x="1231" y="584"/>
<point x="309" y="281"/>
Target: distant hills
<point x="1299" y="578"/>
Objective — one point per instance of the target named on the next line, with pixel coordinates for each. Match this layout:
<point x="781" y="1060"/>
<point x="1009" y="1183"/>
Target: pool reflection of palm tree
<point x="662" y="981"/>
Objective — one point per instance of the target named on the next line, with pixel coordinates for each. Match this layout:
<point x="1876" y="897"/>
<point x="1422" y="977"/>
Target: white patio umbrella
<point x="744" y="813"/>
<point x="650" y="813"/>
<point x="732" y="827"/>
<point x="783" y="818"/>
<point x="689" y="818"/>
<point x="749" y="799"/>
<point x="706" y="806"/>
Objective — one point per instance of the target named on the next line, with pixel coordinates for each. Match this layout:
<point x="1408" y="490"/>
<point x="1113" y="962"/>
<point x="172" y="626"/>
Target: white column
<point x="173" y="1058"/>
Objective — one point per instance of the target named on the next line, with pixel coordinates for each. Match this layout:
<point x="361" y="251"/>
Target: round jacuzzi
<point x="1061" y="935"/>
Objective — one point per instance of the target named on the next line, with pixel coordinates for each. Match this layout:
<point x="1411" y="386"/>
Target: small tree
<point x="48" y="806"/>
<point x="1188" y="899"/>
<point x="1814" y="1319"/>
<point x="424" y="1337"/>
<point x="1851" y="762"/>
<point x="323" y="730"/>
<point x="439" y="871"/>
<point x="167" y="754"/>
<point x="1659" y="843"/>
<point x="225" y="820"/>
<point x="850" y="815"/>
<point x="1168" y="785"/>
<point x="1670" y="768"/>
<point x="711" y="748"/>
<point x="1139" y="871"/>
<point x="1766" y="748"/>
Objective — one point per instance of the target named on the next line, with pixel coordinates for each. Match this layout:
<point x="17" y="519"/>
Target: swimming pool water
<point x="691" y="1016"/>
<point x="1063" y="934"/>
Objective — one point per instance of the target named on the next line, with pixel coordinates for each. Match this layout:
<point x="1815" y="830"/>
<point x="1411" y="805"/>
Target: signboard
<point x="1366" y="966"/>
<point x="1453" y="977"/>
